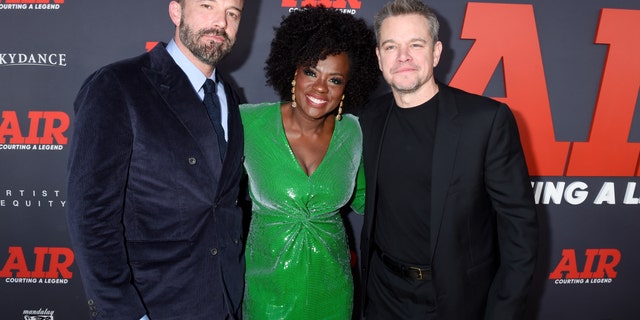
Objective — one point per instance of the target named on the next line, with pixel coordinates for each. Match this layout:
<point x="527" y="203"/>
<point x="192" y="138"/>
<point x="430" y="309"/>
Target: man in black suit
<point x="153" y="213"/>
<point x="450" y="227"/>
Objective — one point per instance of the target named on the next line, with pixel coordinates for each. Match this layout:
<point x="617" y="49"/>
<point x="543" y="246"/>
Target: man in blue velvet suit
<point x="153" y="213"/>
<point x="450" y="227"/>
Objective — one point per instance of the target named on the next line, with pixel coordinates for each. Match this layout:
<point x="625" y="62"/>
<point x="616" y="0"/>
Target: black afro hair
<point x="310" y="34"/>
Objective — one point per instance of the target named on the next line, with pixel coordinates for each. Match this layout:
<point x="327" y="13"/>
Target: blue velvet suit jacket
<point x="484" y="225"/>
<point x="153" y="212"/>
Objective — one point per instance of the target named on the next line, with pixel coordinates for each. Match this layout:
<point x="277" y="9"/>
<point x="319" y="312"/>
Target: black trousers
<point x="391" y="296"/>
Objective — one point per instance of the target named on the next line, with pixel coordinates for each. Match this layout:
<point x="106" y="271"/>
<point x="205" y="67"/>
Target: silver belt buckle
<point x="419" y="272"/>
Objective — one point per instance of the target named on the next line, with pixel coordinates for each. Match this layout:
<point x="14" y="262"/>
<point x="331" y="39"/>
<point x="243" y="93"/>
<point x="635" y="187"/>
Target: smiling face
<point x="319" y="89"/>
<point x="207" y="29"/>
<point x="407" y="54"/>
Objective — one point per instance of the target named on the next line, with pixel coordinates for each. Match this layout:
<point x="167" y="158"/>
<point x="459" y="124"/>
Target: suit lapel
<point x="444" y="151"/>
<point x="176" y="90"/>
<point x="378" y="120"/>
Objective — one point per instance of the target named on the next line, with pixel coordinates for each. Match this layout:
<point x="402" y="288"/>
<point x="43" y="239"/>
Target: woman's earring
<point x="293" y="93"/>
<point x="339" y="115"/>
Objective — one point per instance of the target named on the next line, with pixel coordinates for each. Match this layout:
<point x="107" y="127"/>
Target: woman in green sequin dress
<point x="303" y="160"/>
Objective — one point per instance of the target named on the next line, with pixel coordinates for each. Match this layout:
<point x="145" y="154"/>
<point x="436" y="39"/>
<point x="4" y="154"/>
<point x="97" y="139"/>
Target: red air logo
<point x="336" y="4"/>
<point x="51" y="265"/>
<point x="599" y="267"/>
<point x="608" y="151"/>
<point x="44" y="128"/>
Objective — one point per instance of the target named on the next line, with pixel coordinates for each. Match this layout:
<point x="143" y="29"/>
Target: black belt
<point x="413" y="272"/>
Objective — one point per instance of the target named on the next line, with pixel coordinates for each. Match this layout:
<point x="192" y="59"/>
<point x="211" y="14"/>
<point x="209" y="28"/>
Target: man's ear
<point x="378" y="55"/>
<point x="175" y="12"/>
<point x="437" y="51"/>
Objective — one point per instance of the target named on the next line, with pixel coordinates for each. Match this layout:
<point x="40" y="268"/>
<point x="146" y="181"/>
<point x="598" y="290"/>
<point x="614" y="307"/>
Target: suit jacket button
<point x="214" y="251"/>
<point x="90" y="302"/>
<point x="192" y="160"/>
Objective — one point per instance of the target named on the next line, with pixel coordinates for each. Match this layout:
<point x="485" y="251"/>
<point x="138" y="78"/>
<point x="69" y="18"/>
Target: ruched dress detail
<point x="298" y="261"/>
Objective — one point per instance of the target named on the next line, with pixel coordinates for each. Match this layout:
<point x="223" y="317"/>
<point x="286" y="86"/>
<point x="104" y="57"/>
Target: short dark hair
<point x="309" y="35"/>
<point x="402" y="7"/>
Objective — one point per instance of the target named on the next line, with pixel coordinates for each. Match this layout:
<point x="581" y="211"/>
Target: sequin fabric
<point x="298" y="261"/>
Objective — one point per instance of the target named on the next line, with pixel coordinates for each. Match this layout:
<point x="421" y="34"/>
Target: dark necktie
<point x="212" y="103"/>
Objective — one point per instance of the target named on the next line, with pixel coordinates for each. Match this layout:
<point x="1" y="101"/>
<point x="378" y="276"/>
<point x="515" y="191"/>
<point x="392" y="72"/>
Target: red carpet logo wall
<point x="33" y="59"/>
<point x="579" y="123"/>
<point x="579" y="192"/>
<point x="507" y="34"/>
<point x="336" y="4"/>
<point x="599" y="267"/>
<point x="37" y="199"/>
<point x="37" y="130"/>
<point x="51" y="266"/>
<point x="31" y="4"/>
<point x="346" y="6"/>
<point x="44" y="130"/>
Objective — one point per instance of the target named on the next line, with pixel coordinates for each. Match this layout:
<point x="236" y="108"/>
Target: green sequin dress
<point x="298" y="261"/>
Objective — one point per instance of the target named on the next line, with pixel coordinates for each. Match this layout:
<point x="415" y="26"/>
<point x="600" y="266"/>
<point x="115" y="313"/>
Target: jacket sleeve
<point x="508" y="184"/>
<point x="100" y="151"/>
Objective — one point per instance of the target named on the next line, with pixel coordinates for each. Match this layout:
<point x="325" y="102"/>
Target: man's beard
<point x="407" y="89"/>
<point x="209" y="53"/>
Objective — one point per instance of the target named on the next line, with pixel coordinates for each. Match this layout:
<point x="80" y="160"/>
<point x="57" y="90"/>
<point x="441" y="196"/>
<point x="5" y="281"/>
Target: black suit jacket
<point x="483" y="218"/>
<point x="153" y="213"/>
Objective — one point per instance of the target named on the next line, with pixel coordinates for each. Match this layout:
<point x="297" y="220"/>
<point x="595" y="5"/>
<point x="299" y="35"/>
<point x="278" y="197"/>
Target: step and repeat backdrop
<point x="570" y="70"/>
